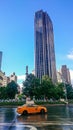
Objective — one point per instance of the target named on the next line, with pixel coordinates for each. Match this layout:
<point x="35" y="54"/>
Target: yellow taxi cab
<point x="31" y="109"/>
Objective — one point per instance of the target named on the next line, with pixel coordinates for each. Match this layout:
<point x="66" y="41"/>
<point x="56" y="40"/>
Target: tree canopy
<point x="12" y="89"/>
<point x="46" y="89"/>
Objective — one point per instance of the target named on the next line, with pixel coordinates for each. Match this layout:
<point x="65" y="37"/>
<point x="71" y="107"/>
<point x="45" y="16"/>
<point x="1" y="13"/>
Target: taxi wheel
<point x="42" y="111"/>
<point x="25" y="112"/>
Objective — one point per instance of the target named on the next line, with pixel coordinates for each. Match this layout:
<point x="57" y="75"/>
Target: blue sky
<point x="17" y="33"/>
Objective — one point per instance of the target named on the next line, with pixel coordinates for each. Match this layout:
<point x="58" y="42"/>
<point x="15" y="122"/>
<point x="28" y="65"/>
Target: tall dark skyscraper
<point x="0" y="59"/>
<point x="44" y="46"/>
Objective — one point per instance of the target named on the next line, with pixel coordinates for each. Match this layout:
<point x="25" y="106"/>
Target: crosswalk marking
<point x="18" y="125"/>
<point x="36" y="123"/>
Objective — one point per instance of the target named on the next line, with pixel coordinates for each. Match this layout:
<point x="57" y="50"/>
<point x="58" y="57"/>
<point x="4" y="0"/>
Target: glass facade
<point x="44" y="46"/>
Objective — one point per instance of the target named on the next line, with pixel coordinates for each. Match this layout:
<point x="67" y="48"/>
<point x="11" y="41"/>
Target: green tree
<point x="12" y="89"/>
<point x="69" y="90"/>
<point x="30" y="85"/>
<point x="59" y="91"/>
<point x="3" y="92"/>
<point x="47" y="87"/>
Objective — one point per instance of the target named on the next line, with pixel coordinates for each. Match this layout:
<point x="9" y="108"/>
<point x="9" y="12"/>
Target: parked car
<point x="31" y="109"/>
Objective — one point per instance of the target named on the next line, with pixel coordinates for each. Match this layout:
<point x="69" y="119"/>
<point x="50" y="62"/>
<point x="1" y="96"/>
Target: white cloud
<point x="21" y="85"/>
<point x="21" y="77"/>
<point x="71" y="74"/>
<point x="70" y="55"/>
